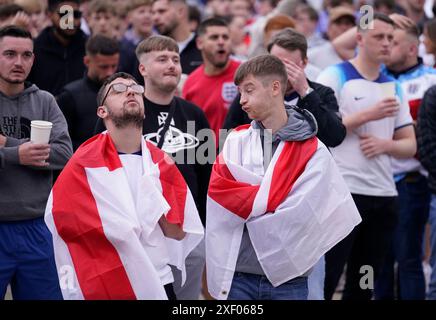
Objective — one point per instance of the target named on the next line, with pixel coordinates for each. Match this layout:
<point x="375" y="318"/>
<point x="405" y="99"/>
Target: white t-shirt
<point x="323" y="56"/>
<point x="414" y="83"/>
<point x="158" y="252"/>
<point x="372" y="177"/>
<point x="182" y="45"/>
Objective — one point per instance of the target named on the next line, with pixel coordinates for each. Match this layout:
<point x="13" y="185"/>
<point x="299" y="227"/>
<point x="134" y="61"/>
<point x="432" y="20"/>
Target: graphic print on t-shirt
<point x="175" y="139"/>
<point x="9" y="127"/>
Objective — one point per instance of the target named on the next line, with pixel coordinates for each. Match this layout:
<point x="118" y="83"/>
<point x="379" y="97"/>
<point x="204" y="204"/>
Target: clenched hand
<point x="34" y="154"/>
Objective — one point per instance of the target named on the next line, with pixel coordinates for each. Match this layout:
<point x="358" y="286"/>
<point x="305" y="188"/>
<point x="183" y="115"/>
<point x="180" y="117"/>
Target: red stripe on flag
<point x="174" y="188"/>
<point x="289" y="166"/>
<point x="98" y="151"/>
<point x="242" y="127"/>
<point x="98" y="266"/>
<point x="237" y="197"/>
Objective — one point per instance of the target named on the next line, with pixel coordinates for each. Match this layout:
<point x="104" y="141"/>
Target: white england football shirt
<point x="372" y="177"/>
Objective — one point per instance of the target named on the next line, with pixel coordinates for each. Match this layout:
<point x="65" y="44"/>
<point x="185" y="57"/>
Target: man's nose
<point x="110" y="71"/>
<point x="18" y="61"/>
<point x="172" y="64"/>
<point x="242" y="99"/>
<point x="130" y="91"/>
<point x="386" y="41"/>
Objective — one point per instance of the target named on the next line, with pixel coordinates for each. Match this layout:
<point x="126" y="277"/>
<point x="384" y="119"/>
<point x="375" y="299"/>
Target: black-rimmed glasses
<point x="121" y="87"/>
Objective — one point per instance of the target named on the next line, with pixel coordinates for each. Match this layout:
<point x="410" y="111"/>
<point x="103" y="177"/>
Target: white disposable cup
<point x="387" y="90"/>
<point x="40" y="131"/>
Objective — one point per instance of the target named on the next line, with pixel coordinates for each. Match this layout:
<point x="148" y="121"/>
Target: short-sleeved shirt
<point x="372" y="177"/>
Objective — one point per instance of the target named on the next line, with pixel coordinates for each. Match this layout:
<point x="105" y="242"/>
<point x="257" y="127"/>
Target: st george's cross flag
<point x="295" y="210"/>
<point x="101" y="234"/>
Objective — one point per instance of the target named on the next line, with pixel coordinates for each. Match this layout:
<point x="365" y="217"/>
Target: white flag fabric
<point x="100" y="234"/>
<point x="295" y="211"/>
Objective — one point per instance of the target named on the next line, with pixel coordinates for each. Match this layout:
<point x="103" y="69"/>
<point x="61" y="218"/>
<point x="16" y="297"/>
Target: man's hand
<point x="386" y="108"/>
<point x="401" y="21"/>
<point x="372" y="146"/>
<point x="171" y="230"/>
<point x="33" y="154"/>
<point x="2" y="140"/>
<point x="21" y="19"/>
<point x="296" y="77"/>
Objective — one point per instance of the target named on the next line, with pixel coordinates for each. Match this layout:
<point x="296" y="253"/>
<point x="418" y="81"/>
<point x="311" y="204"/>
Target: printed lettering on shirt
<point x="9" y="127"/>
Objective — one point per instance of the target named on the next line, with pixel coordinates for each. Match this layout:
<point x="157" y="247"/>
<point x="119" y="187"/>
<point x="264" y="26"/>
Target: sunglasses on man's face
<point x="77" y="14"/>
<point x="121" y="87"/>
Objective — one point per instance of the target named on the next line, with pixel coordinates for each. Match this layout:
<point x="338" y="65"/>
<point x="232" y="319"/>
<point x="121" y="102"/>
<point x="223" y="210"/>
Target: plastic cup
<point x="40" y="131"/>
<point x="387" y="90"/>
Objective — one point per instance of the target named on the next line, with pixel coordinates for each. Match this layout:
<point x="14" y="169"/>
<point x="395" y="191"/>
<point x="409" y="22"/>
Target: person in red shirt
<point x="211" y="85"/>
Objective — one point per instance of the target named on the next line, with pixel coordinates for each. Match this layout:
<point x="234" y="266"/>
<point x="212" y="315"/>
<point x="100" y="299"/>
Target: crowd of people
<point x="218" y="149"/>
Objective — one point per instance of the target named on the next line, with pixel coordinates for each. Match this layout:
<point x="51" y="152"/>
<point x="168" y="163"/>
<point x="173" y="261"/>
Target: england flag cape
<point x="99" y="232"/>
<point x="295" y="211"/>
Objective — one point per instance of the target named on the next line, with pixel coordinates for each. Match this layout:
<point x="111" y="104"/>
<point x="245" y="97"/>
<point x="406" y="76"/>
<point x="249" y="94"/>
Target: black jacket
<point x="186" y="114"/>
<point x="190" y="58"/>
<point x="128" y="61"/>
<point x="426" y="135"/>
<point x="56" y="65"/>
<point x="321" y="103"/>
<point x="78" y="102"/>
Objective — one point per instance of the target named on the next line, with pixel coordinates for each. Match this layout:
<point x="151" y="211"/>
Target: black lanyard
<point x="167" y="123"/>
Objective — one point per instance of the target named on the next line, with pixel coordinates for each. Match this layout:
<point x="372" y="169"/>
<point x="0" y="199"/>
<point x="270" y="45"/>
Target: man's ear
<point x="142" y="70"/>
<point x="413" y="50"/>
<point x="304" y="62"/>
<point x="86" y="61"/>
<point x="359" y="37"/>
<point x="182" y="11"/>
<point x="102" y="112"/>
<point x="276" y="88"/>
<point x="199" y="42"/>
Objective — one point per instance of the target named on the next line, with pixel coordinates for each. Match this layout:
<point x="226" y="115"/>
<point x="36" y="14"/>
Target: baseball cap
<point x="339" y="12"/>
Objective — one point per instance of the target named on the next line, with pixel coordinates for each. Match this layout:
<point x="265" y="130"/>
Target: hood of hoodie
<point x="12" y="110"/>
<point x="301" y="126"/>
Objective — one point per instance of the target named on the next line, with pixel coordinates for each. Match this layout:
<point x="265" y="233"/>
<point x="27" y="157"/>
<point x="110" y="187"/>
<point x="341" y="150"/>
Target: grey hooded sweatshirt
<point x="301" y="126"/>
<point x="24" y="190"/>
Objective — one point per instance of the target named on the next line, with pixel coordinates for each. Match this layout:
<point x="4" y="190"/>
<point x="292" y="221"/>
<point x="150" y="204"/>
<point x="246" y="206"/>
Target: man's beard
<point x="126" y="119"/>
<point x="168" y="88"/>
<point x="97" y="80"/>
<point x="167" y="30"/>
<point x="217" y="64"/>
<point x="8" y="80"/>
<point x="65" y="35"/>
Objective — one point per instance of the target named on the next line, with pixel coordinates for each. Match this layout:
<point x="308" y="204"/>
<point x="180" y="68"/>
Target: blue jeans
<point x="27" y="261"/>
<point x="431" y="294"/>
<point x="315" y="281"/>
<point x="406" y="248"/>
<point x="247" y="286"/>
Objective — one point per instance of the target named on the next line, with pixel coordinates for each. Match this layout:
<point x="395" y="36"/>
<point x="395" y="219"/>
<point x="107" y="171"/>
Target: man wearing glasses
<point x="121" y="212"/>
<point x="59" y="49"/>
<point x="177" y="127"/>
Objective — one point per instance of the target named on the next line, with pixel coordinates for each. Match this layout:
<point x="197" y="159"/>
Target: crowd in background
<point x="214" y="37"/>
